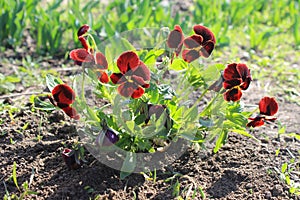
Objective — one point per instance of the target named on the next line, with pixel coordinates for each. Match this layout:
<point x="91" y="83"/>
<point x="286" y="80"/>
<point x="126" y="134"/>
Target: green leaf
<point x="191" y="114"/>
<point x="243" y="132"/>
<point x="108" y="28"/>
<point x="284" y="167"/>
<point x="178" y="64"/>
<point x="12" y="79"/>
<point x="237" y="119"/>
<point x="212" y="72"/>
<point x="129" y="165"/>
<point x="127" y="45"/>
<point x="220" y="141"/>
<point x="130" y="125"/>
<point x="14" y="175"/>
<point x="52" y="81"/>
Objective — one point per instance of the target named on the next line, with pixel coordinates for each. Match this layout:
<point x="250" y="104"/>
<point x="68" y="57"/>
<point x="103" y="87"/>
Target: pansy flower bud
<point x="83" y="29"/>
<point x="69" y="156"/>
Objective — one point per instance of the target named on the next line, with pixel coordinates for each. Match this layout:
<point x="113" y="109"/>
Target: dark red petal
<point x="81" y="55"/>
<point x="246" y="83"/>
<point x="207" y="49"/>
<point x="103" y="78"/>
<point x="142" y="71"/>
<point x="255" y="122"/>
<point x="190" y="55"/>
<point x="175" y="37"/>
<point x="62" y="105"/>
<point x="193" y="41"/>
<point x="101" y="61"/>
<point x="228" y="84"/>
<point x="147" y="85"/>
<point x="268" y="106"/>
<point x="117" y="78"/>
<point x="243" y="71"/>
<point x="258" y="121"/>
<point x="138" y="80"/>
<point x="205" y="33"/>
<point x="127" y="89"/>
<point x="138" y="93"/>
<point x="71" y="112"/>
<point x="82" y="30"/>
<point x="234" y="94"/>
<point x="69" y="158"/>
<point x="77" y="63"/>
<point x="127" y="61"/>
<point x="62" y="93"/>
<point x="84" y="43"/>
<point x="230" y="72"/>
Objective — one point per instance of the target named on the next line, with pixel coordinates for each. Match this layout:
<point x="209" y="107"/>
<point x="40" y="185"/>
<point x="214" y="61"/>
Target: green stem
<point x="210" y="103"/>
<point x="94" y="45"/>
<point x="90" y="113"/>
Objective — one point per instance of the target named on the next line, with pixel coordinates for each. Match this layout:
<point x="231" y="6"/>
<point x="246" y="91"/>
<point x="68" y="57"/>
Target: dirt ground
<point x="242" y="169"/>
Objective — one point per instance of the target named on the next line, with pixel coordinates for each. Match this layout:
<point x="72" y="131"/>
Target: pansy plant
<point x="129" y="80"/>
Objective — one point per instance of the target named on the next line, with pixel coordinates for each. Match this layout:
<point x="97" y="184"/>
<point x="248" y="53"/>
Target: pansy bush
<point x="144" y="96"/>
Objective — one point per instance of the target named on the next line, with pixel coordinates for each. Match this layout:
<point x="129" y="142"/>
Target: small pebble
<point x="277" y="190"/>
<point x="268" y="195"/>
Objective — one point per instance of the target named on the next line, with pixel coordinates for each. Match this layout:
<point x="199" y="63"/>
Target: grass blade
<point x="14" y="174"/>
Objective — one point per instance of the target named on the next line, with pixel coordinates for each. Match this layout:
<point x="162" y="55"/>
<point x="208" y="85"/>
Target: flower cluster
<point x="90" y="55"/>
<point x="235" y="78"/>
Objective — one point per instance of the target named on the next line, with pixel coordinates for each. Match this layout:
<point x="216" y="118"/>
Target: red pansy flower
<point x="134" y="76"/>
<point x="98" y="61"/>
<point x="63" y="96"/>
<point x="175" y="39"/>
<point x="202" y="43"/>
<point x="267" y="108"/>
<point x="237" y="77"/>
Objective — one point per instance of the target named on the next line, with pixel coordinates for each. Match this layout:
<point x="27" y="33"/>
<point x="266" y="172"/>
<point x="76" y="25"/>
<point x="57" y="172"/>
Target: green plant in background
<point x="289" y="173"/>
<point x="13" y="20"/>
<point x="138" y="14"/>
<point x="7" y="83"/>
